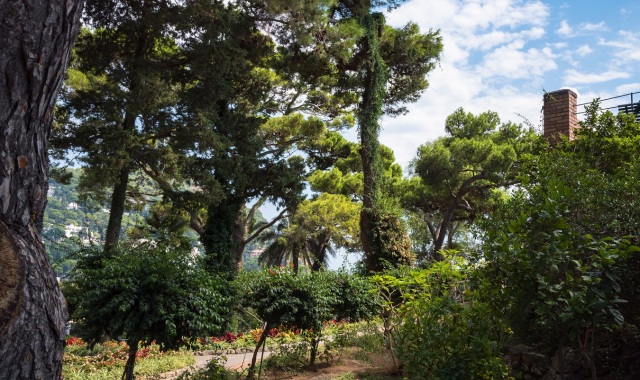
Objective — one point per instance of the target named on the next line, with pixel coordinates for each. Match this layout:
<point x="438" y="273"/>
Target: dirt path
<point x="234" y="361"/>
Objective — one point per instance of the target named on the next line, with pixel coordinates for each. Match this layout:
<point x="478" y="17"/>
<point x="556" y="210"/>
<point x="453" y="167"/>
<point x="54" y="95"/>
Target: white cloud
<point x="573" y="77"/>
<point x="599" y="27"/>
<point x="450" y="87"/>
<point x="463" y="18"/>
<point x="628" y="46"/>
<point x="565" y="30"/>
<point x="584" y="50"/>
<point x="513" y="62"/>
<point x="494" y="33"/>
<point x="628" y="88"/>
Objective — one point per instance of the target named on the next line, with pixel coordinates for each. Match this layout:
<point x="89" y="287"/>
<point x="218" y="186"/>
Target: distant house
<point x="72" y="230"/>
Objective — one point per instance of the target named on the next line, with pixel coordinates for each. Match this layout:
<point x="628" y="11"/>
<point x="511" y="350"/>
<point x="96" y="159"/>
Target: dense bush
<point x="355" y="298"/>
<point x="439" y="327"/>
<point x="143" y="294"/>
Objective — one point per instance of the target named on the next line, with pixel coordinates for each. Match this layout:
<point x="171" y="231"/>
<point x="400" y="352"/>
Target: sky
<point x="502" y="55"/>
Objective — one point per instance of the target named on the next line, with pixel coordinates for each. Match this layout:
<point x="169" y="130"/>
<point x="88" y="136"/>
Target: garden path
<point x="234" y="361"/>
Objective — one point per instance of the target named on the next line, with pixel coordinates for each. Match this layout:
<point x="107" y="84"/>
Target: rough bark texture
<point x="35" y="43"/>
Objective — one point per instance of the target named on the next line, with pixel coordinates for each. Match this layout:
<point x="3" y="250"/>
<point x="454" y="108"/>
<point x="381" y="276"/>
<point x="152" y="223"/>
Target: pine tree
<point x="35" y="44"/>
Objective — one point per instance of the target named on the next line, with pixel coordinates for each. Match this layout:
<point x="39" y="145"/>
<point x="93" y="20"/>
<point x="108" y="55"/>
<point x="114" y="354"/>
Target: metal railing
<point x="631" y="107"/>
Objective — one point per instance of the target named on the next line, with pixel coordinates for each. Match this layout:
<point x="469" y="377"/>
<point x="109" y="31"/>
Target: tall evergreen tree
<point x="120" y="100"/>
<point x="390" y="66"/>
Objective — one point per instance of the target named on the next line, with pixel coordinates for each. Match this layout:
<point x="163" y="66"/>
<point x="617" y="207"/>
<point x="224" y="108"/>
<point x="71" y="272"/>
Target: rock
<point x="572" y="361"/>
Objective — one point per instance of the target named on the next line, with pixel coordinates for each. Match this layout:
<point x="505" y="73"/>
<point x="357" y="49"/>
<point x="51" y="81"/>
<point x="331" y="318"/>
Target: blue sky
<point x="501" y="55"/>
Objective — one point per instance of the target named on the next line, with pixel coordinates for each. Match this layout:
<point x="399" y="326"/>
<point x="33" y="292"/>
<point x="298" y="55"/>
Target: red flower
<point x="74" y="341"/>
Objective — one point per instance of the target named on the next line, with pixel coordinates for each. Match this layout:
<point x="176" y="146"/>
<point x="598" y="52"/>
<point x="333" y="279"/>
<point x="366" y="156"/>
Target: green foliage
<point x="391" y="245"/>
<point x="552" y="282"/>
<point x="355" y="298"/>
<point x="281" y="297"/>
<point x="317" y="228"/>
<point x="65" y="207"/>
<point x="291" y="358"/>
<point x="142" y="294"/>
<point x="305" y="300"/>
<point x="558" y="255"/>
<point x="442" y="330"/>
<point x="214" y="370"/>
<point x="606" y="142"/>
<point x="364" y="335"/>
<point x="459" y="177"/>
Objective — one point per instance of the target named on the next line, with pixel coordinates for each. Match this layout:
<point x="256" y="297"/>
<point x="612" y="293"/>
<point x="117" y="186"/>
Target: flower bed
<point x="106" y="361"/>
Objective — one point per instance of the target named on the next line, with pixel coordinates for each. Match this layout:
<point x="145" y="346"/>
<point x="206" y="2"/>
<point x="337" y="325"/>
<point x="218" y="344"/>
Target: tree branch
<point x="259" y="230"/>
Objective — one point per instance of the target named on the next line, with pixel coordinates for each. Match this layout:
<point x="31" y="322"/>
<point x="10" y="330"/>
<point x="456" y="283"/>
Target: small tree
<point x="436" y="324"/>
<point x="144" y="293"/>
<point x="284" y="298"/>
<point x="315" y="230"/>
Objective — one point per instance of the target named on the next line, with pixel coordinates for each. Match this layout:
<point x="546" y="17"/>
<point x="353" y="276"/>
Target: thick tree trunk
<point x="219" y="236"/>
<point x="239" y="239"/>
<point x="35" y="44"/>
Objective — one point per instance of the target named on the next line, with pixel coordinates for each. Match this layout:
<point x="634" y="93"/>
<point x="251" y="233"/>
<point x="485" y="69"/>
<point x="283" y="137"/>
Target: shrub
<point x="441" y="330"/>
<point x="142" y="294"/>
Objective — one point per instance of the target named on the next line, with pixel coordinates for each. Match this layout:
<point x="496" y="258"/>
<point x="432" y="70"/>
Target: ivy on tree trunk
<point x="368" y="115"/>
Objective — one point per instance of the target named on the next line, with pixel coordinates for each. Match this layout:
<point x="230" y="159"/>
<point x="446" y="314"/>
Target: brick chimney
<point x="560" y="115"/>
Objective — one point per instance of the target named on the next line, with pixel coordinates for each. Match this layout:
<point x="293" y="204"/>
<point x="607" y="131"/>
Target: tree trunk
<point x="132" y="111"/>
<point x="239" y="239"/>
<point x="441" y="232"/>
<point x="263" y="337"/>
<point x="315" y="342"/>
<point x="35" y="43"/>
<point x="116" y="212"/>
<point x="218" y="237"/>
<point x="131" y="361"/>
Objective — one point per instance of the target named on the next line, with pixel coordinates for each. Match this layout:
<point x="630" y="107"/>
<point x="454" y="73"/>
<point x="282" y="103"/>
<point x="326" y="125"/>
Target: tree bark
<point x="263" y="337"/>
<point x="119" y="195"/>
<point x="219" y="236"/>
<point x="116" y="212"/>
<point x="35" y="44"/>
<point x="131" y="361"/>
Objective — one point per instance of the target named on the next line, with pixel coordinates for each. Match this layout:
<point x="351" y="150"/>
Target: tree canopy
<point x="463" y="175"/>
